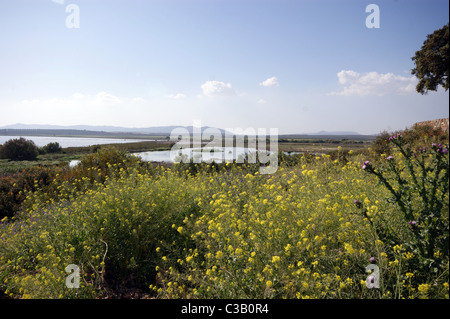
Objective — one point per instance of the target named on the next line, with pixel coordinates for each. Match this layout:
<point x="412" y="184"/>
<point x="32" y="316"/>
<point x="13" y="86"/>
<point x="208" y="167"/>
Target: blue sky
<point x="296" y="65"/>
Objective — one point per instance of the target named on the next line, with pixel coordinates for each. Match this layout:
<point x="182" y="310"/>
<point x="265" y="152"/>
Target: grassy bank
<point x="75" y="153"/>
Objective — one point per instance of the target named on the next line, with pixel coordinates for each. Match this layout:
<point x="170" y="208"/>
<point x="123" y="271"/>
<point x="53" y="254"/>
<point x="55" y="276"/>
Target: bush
<point x="106" y="161"/>
<point x="52" y="148"/>
<point x="105" y="157"/>
<point x="120" y="241"/>
<point x="20" y="150"/>
<point x="414" y="137"/>
<point x="418" y="183"/>
<point x="381" y="144"/>
<point x="14" y="188"/>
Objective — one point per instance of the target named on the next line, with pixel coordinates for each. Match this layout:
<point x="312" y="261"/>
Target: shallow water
<point x="70" y="141"/>
<point x="205" y="154"/>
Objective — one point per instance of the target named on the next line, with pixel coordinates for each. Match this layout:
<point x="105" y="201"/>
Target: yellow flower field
<point x="223" y="233"/>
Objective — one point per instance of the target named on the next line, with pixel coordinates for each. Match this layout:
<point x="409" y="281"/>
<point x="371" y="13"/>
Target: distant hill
<point x="335" y="133"/>
<point x="439" y="123"/>
<point x="91" y="130"/>
<point x="94" y="130"/>
<point x="151" y="130"/>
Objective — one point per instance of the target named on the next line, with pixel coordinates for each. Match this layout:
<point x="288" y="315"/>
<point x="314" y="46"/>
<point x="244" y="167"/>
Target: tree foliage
<point x="52" y="147"/>
<point x="20" y="149"/>
<point x="432" y="62"/>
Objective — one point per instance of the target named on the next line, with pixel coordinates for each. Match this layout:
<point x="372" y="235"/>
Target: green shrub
<point x="20" y="150"/>
<point x="381" y="145"/>
<point x="414" y="136"/>
<point x="14" y="188"/>
<point x="111" y="233"/>
<point x="104" y="157"/>
<point x="52" y="148"/>
<point x="418" y="184"/>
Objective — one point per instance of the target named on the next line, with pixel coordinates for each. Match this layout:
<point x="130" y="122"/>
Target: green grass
<point x="75" y="153"/>
<point x="126" y="147"/>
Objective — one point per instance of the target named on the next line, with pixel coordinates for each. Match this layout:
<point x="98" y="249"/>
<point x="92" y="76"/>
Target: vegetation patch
<point x="224" y="231"/>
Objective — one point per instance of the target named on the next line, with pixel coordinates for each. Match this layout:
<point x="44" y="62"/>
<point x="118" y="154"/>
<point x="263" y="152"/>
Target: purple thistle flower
<point x="364" y="166"/>
<point x="412" y="223"/>
<point x="393" y="137"/>
<point x="389" y="157"/>
<point x="372" y="260"/>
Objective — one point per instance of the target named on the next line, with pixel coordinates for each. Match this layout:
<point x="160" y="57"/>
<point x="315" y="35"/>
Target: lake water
<point x="70" y="141"/>
<point x="205" y="154"/>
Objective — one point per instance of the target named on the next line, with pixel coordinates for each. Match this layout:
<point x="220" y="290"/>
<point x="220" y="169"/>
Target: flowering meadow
<point x="226" y="231"/>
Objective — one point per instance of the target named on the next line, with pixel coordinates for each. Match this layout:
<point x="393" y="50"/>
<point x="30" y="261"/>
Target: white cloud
<point x="31" y="102"/>
<point x="273" y="81"/>
<point x="217" y="88"/>
<point x="106" y="98"/>
<point x="262" y="101"/>
<point x="59" y="101"/>
<point x="82" y="108"/>
<point x="373" y="83"/>
<point x="138" y="100"/>
<point x="410" y="88"/>
<point x="100" y="99"/>
<point x="177" y="96"/>
<point x="78" y="96"/>
<point x="346" y="76"/>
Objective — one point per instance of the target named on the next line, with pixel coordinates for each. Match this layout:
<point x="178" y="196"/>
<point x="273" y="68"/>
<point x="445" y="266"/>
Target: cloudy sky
<point x="296" y="65"/>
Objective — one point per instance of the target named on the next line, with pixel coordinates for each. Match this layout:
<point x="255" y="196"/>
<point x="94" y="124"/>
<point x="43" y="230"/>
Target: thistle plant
<point x="418" y="182"/>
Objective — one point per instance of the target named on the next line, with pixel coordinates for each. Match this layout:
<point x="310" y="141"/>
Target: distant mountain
<point x="88" y="128"/>
<point x="154" y="130"/>
<point x="336" y="133"/>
